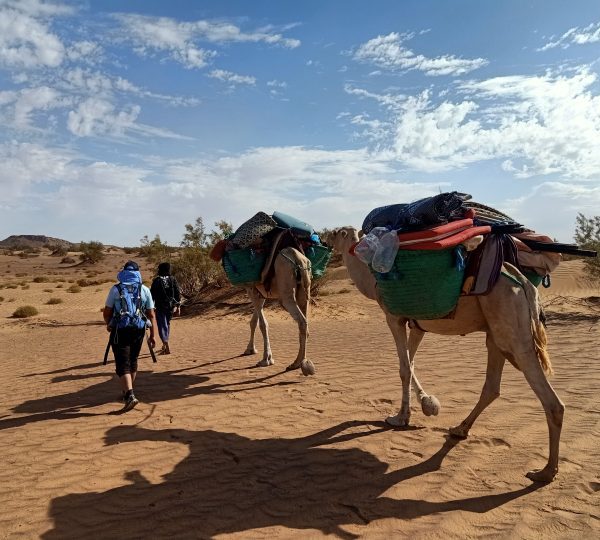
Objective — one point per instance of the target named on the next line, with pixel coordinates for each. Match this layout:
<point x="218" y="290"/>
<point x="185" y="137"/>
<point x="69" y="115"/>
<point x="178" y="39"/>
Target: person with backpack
<point x="128" y="311"/>
<point x="166" y="295"/>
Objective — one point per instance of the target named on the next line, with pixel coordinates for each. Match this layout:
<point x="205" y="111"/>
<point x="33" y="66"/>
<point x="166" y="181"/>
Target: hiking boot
<point x="130" y="402"/>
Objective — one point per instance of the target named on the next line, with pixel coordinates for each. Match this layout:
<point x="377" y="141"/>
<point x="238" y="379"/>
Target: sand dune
<point x="219" y="449"/>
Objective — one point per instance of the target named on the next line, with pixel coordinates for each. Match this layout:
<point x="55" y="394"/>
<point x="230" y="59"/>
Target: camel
<point x="510" y="317"/>
<point x="291" y="285"/>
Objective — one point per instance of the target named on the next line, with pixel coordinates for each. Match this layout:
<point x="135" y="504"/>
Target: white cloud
<point x="17" y="107"/>
<point x="84" y="51"/>
<point x="575" y="36"/>
<point x="96" y="116"/>
<point x="553" y="207"/>
<point x="389" y="52"/>
<point x="538" y="125"/>
<point x="232" y="78"/>
<point x="180" y="39"/>
<point x="25" y="37"/>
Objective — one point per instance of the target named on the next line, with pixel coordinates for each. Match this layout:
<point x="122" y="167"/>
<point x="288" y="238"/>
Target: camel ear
<point x="344" y="233"/>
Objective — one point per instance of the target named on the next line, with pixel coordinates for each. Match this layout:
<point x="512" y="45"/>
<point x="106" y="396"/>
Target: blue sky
<point x="129" y="118"/>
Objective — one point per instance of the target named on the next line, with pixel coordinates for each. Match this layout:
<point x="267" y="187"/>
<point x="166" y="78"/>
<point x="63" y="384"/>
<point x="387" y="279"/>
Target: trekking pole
<point x="151" y="351"/>
<point x="108" y="347"/>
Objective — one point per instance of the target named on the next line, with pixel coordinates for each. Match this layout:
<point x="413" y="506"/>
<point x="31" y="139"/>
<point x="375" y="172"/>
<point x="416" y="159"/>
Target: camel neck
<point x="361" y="275"/>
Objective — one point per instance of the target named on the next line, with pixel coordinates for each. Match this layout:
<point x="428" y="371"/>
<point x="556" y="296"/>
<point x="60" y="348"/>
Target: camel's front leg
<point x="491" y="389"/>
<point x="398" y="327"/>
<point x="429" y="403"/>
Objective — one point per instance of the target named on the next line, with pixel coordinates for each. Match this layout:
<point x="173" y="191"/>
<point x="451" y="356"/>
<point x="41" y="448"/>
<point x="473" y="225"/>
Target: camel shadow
<point x="151" y="388"/>
<point x="232" y="484"/>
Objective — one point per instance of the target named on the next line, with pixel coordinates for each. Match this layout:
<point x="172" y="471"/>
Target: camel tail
<point x="538" y="330"/>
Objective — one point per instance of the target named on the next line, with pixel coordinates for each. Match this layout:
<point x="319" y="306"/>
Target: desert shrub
<point x="91" y="252"/>
<point x="48" y="290"/>
<point x="587" y="236"/>
<point x="131" y="250"/>
<point x="21" y="274"/>
<point x="194" y="269"/>
<point x="155" y="250"/>
<point x="68" y="260"/>
<point x="74" y="289"/>
<point x="24" y="287"/>
<point x="1" y="298"/>
<point x="60" y="286"/>
<point x="25" y="311"/>
<point x="41" y="279"/>
<point x="11" y="286"/>
<point x="52" y="301"/>
<point x="58" y="251"/>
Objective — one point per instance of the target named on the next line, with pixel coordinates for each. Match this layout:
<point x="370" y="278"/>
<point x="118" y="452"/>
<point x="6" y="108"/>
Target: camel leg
<point x="398" y="327"/>
<point x="490" y="391"/>
<point x="554" y="409"/>
<point x="289" y="303"/>
<point x="522" y="315"/>
<point x="258" y="303"/>
<point x="251" y="349"/>
<point x="429" y="404"/>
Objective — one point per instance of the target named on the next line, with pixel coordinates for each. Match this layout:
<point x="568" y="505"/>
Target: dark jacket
<point x="165" y="292"/>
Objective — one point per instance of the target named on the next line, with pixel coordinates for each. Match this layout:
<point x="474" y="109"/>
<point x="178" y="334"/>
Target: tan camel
<point x="509" y="315"/>
<point x="291" y="285"/>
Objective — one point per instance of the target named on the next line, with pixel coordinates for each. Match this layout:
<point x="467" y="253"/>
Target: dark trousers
<point x="126" y="346"/>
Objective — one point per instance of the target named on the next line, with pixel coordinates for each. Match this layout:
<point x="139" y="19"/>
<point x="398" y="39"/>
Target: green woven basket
<point x="422" y="284"/>
<point x="319" y="258"/>
<point x="243" y="265"/>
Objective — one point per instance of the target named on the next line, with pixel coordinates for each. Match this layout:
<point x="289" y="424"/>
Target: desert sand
<point x="219" y="449"/>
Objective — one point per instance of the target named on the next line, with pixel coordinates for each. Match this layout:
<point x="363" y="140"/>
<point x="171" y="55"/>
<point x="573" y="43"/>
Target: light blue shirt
<point x="113" y="300"/>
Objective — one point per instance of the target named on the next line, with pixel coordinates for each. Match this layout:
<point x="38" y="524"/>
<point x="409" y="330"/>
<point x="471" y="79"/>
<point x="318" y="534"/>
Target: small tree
<point x="194" y="269"/>
<point x="91" y="252"/>
<point x="587" y="236"/>
<point x="154" y="250"/>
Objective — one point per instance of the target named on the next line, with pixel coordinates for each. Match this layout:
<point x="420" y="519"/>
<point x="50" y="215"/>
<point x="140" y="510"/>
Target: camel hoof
<point x="430" y="406"/>
<point x="249" y="352"/>
<point x="396" y="421"/>
<point x="459" y="432"/>
<point x="265" y="362"/>
<point x="544" y="475"/>
<point x="307" y="367"/>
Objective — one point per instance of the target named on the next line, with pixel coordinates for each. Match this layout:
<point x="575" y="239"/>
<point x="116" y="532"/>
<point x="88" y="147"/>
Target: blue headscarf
<point x="129" y="276"/>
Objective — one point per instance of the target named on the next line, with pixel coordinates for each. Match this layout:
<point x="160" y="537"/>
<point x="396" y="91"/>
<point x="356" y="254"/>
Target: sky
<point x="120" y="119"/>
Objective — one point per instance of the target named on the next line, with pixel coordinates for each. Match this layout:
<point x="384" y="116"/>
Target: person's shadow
<point x="232" y="484"/>
<point x="151" y="387"/>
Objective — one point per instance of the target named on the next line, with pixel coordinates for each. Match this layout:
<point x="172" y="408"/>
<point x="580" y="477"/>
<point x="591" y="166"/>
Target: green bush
<point x="24" y="312"/>
<point x="52" y="301"/>
<point x="587" y="236"/>
<point x="91" y="252"/>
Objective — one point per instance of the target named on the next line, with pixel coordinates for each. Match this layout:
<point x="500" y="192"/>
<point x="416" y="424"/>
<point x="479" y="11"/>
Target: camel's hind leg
<point x="513" y="323"/>
<point x="490" y="391"/>
<point x="301" y="362"/>
<point x="258" y="316"/>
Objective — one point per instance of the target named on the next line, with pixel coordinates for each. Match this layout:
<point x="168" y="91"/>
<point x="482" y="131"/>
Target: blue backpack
<point x="131" y="314"/>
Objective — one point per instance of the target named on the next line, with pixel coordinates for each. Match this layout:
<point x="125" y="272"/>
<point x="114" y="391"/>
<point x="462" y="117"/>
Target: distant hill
<point x="21" y="241"/>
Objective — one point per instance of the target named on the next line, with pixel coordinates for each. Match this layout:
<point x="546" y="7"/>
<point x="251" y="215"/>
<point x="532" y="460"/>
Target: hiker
<point x="166" y="295"/>
<point x="129" y="310"/>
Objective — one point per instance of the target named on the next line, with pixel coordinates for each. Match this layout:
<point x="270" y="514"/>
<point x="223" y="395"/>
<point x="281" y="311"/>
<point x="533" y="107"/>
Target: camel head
<point x="342" y="238"/>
